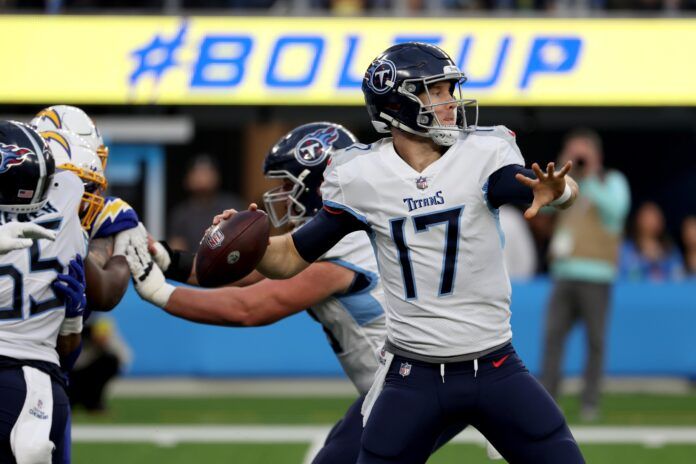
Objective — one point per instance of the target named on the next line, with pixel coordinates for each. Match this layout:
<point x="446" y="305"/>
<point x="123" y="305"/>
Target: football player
<point x="41" y="295"/>
<point x="341" y="290"/>
<point x="429" y="198"/>
<point x="79" y="147"/>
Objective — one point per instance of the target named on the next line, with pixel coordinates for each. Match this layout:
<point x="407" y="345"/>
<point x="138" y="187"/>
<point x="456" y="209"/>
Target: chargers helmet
<point x="394" y="80"/>
<point x="73" y="119"/>
<point x="74" y="153"/>
<point x="26" y="168"/>
<point x="299" y="159"/>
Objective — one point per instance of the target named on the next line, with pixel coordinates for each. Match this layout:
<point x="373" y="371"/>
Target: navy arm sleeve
<point x="504" y="188"/>
<point x="324" y="231"/>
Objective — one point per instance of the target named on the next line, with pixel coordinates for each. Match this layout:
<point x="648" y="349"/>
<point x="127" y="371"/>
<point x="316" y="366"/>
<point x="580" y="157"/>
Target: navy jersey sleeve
<point x="503" y="188"/>
<point x="323" y="231"/>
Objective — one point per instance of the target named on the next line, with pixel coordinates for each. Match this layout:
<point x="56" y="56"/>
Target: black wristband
<point x="181" y="264"/>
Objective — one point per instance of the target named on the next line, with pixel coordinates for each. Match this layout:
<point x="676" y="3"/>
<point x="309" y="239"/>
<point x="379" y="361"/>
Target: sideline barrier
<point x="651" y="332"/>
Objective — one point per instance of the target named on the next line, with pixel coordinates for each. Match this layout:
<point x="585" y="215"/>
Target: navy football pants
<point x="342" y="445"/>
<point x="505" y="403"/>
<point x="13" y="391"/>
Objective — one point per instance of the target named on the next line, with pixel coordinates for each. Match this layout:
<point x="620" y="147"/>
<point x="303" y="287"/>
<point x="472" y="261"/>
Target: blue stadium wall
<point x="651" y="333"/>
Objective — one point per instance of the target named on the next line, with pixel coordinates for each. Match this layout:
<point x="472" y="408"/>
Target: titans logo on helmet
<point x="314" y="147"/>
<point x="382" y="77"/>
<point x="12" y="155"/>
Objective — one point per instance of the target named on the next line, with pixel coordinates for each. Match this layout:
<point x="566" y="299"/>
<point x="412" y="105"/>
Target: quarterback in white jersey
<point x="33" y="298"/>
<point x="428" y="197"/>
<point x="429" y="223"/>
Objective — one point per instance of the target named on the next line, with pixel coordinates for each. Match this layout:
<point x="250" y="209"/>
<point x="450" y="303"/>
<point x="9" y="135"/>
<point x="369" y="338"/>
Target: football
<point x="232" y="249"/>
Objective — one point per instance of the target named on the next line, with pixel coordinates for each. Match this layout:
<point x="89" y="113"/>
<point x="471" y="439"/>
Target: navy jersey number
<point x="36" y="264"/>
<point x="423" y="223"/>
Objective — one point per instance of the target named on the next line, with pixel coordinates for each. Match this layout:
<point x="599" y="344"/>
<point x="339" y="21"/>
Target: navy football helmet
<point x="299" y="160"/>
<point x="393" y="82"/>
<point x="26" y="168"/>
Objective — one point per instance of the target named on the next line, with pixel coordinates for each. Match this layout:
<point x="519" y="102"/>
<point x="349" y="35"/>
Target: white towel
<point x="385" y="360"/>
<point x="29" y="438"/>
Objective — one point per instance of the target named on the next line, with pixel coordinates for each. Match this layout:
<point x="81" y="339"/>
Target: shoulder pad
<point x="496" y="131"/>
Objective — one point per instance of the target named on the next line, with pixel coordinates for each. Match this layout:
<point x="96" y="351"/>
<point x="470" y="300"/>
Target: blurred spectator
<point x="584" y="252"/>
<point x="519" y="251"/>
<point x="688" y="233"/>
<point x="191" y="218"/>
<point x="104" y="355"/>
<point x="649" y="253"/>
<point x="542" y="227"/>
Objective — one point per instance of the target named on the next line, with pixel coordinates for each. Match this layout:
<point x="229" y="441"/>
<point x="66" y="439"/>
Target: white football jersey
<point x="354" y="323"/>
<point x="439" y="244"/>
<point x="30" y="313"/>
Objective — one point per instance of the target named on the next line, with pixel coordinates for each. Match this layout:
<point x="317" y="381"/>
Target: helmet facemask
<point x="103" y="154"/>
<point x="92" y="198"/>
<point x="282" y="203"/>
<point x="427" y="119"/>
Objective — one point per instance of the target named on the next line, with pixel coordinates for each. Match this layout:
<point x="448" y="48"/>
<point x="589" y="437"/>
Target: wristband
<point x="161" y="296"/>
<point x="181" y="265"/>
<point x="71" y="325"/>
<point x="565" y="196"/>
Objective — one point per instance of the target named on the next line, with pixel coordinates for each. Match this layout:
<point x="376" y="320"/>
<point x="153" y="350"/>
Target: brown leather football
<point x="232" y="249"/>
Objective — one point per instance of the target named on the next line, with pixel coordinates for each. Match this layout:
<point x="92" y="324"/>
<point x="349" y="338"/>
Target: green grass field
<point x="618" y="410"/>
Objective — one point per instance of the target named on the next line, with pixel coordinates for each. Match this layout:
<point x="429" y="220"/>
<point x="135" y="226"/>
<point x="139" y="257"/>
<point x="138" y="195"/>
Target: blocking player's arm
<point x="289" y="254"/>
<point x="107" y="276"/>
<point x="262" y="303"/>
<point x="518" y="185"/>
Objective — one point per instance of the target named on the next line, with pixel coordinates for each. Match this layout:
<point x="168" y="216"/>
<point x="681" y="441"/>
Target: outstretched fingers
<point x="524" y="180"/>
<point x="565" y="169"/>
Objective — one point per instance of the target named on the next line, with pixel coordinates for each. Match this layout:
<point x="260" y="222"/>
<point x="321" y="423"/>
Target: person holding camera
<point x="584" y="253"/>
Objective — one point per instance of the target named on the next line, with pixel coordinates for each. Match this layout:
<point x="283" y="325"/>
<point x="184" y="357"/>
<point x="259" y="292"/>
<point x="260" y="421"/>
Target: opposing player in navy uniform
<point x="41" y="296"/>
<point x="428" y="197"/>
<point x="341" y="290"/>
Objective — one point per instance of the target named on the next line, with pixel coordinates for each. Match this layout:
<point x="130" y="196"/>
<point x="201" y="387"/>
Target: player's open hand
<point x="228" y="213"/>
<point x="546" y="187"/>
<point x="18" y="235"/>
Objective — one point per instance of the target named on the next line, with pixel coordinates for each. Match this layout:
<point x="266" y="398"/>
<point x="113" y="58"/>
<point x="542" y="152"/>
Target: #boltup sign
<point x="321" y="61"/>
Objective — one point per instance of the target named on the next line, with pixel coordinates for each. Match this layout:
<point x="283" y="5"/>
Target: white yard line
<point x="322" y="387"/>
<point x="172" y="434"/>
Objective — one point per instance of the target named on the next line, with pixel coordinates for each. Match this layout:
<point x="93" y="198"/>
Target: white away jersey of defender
<point x="439" y="245"/>
<point x="354" y="322"/>
<point x="30" y="313"/>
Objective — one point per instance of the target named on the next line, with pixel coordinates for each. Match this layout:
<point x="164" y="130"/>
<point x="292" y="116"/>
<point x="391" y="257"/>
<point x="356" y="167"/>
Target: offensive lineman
<point x="341" y="290"/>
<point x="428" y="198"/>
<point x="41" y="307"/>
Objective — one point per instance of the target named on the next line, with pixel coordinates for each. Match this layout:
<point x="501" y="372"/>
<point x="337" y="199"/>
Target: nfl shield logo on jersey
<point x="422" y="183"/>
<point x="405" y="369"/>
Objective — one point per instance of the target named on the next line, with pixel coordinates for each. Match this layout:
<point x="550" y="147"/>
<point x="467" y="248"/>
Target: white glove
<point x="161" y="256"/>
<point x="135" y="236"/>
<point x="148" y="278"/>
<point x="18" y="235"/>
